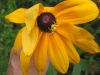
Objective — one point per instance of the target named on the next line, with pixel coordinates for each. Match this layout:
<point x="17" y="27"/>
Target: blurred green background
<point x="8" y="31"/>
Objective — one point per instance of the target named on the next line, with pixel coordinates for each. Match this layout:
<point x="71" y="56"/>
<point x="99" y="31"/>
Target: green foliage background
<point x="8" y="30"/>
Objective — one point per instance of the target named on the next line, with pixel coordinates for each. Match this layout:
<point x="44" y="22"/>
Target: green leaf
<point x="51" y="70"/>
<point x="77" y="69"/>
<point x="84" y="64"/>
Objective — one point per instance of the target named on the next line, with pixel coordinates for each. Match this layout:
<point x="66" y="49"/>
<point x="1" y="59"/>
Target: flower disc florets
<point x="45" y="20"/>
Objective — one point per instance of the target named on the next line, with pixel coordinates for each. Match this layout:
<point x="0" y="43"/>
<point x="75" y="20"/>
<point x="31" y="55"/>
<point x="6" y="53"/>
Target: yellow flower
<point x="98" y="5"/>
<point x="52" y="31"/>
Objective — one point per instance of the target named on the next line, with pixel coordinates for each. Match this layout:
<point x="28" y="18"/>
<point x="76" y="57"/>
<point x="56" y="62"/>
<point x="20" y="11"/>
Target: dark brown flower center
<point x="45" y="20"/>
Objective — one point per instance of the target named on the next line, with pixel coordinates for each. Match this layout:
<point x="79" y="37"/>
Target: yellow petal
<point x="17" y="16"/>
<point x="71" y="51"/>
<point x="18" y="41"/>
<point x="84" y="40"/>
<point x="24" y="61"/>
<point x="78" y="36"/>
<point x="57" y="53"/>
<point x="47" y="9"/>
<point x="76" y="11"/>
<point x="29" y="41"/>
<point x="31" y="16"/>
<point x="66" y="4"/>
<point x="40" y="53"/>
<point x="99" y="16"/>
<point x="65" y="29"/>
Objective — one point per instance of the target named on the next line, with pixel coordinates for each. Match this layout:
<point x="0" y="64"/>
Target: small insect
<point x="53" y="28"/>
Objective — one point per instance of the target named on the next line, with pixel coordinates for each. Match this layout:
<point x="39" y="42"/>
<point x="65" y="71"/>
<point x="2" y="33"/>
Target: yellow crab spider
<point x="53" y="28"/>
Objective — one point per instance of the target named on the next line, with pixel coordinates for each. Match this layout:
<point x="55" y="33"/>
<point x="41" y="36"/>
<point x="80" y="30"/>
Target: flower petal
<point x="71" y="51"/>
<point x="76" y="11"/>
<point x="29" y="41"/>
<point x="79" y="36"/>
<point x="18" y="41"/>
<point x="64" y="30"/>
<point x="84" y="40"/>
<point x="24" y="61"/>
<point x="57" y="53"/>
<point x="17" y="16"/>
<point x="47" y="9"/>
<point x="40" y="53"/>
<point x="31" y="15"/>
<point x="99" y="15"/>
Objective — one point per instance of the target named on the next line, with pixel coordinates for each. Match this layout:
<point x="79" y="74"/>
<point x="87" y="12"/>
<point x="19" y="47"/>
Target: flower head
<point x="52" y="31"/>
